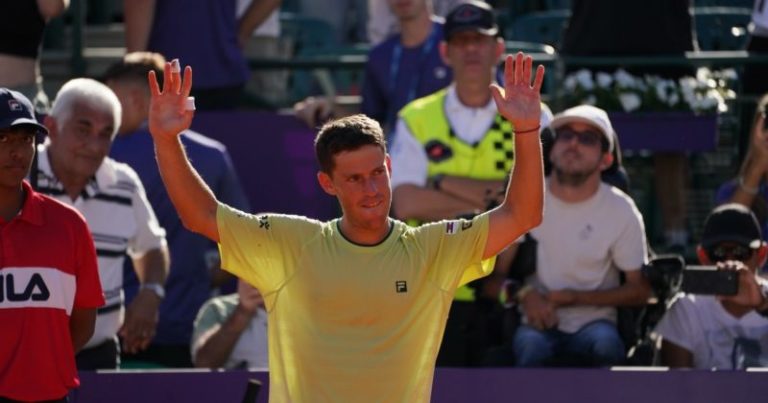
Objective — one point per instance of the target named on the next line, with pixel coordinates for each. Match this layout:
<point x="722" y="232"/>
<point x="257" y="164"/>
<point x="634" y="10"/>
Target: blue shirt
<point x="201" y="34"/>
<point x="189" y="283"/>
<point x="395" y="77"/>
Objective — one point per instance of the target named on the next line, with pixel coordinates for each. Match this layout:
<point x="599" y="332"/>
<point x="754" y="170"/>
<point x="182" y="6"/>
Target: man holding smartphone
<point x="716" y="331"/>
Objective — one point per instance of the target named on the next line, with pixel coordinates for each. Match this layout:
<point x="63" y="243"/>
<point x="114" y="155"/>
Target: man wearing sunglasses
<point x="705" y="331"/>
<point x="591" y="233"/>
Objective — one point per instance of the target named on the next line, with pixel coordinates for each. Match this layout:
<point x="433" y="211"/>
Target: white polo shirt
<point x="121" y="221"/>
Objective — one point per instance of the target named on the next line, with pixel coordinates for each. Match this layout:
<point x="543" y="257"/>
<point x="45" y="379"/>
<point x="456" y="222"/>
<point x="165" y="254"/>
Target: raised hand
<point x="168" y="116"/>
<point x="520" y="101"/>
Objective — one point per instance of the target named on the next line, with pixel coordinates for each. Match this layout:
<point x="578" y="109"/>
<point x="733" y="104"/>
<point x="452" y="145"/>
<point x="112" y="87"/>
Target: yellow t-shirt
<point x="351" y="323"/>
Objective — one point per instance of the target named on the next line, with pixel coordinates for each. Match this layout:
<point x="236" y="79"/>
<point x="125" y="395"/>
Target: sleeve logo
<point x="451" y="227"/>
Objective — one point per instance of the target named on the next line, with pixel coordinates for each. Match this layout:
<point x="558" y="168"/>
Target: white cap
<point x="588" y="114"/>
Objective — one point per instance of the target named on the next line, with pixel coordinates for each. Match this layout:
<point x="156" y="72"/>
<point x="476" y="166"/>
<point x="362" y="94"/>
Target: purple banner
<point x="275" y="158"/>
<point x="678" y="132"/>
<point x="452" y="385"/>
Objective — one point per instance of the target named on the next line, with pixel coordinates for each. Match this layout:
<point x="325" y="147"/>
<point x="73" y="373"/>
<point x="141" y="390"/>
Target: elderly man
<point x="591" y="234"/>
<point x="73" y="168"/>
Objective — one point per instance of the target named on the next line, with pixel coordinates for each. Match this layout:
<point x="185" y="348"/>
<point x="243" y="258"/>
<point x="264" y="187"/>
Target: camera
<point x="710" y="281"/>
<point x="668" y="274"/>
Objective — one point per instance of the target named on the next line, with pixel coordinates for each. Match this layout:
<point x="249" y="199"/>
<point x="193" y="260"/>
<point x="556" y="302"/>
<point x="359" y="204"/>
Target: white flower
<point x="584" y="78"/>
<point x="624" y="79"/>
<point x="570" y="82"/>
<point x="604" y="80"/>
<point x="629" y="101"/>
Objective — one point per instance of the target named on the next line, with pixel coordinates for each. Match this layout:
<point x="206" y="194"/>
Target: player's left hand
<point x="520" y="101"/>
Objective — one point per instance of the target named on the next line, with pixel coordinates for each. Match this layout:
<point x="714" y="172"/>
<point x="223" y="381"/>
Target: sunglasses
<point x="721" y="253"/>
<point x="588" y="138"/>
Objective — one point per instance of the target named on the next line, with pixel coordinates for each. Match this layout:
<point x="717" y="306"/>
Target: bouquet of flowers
<point x="704" y="94"/>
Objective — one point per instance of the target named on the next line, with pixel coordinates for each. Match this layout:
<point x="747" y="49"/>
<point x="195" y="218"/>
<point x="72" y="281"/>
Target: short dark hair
<point x="135" y="66"/>
<point x="346" y="134"/>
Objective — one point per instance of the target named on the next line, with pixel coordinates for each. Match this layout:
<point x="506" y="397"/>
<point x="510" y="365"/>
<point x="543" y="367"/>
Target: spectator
<point x="47" y="323"/>
<point x="362" y="298"/>
<point x="382" y="21"/>
<point x="74" y="169"/>
<point x="750" y="189"/>
<point x="404" y="67"/>
<point x="231" y="331"/>
<point x="592" y="31"/>
<point x="591" y="234"/>
<point x="194" y="259"/>
<point x="22" y="24"/>
<point x="451" y="154"/>
<point x="722" y="332"/>
<point x="205" y="33"/>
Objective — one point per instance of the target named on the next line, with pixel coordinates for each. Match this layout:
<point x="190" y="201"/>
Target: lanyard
<point x="394" y="68"/>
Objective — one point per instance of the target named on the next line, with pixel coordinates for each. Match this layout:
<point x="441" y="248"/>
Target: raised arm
<point x="755" y="166"/>
<point x="168" y="118"/>
<point x="520" y="103"/>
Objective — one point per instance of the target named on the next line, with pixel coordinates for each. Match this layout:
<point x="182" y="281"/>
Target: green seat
<point x="721" y="28"/>
<point x="540" y="27"/>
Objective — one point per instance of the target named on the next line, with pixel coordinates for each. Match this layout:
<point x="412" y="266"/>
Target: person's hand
<point x="250" y="297"/>
<point x="140" y="322"/>
<point x="538" y="310"/>
<point x="168" y="116"/>
<point x="520" y="102"/>
<point x="759" y="143"/>
<point x="562" y="297"/>
<point x="749" y="294"/>
<point x="314" y="111"/>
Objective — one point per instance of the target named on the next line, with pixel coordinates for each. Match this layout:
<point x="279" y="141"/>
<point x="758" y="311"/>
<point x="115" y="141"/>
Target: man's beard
<point x="572" y="179"/>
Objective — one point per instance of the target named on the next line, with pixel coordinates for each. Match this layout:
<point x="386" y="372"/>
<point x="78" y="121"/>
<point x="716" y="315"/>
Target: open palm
<point x="168" y="116"/>
<point x="520" y="101"/>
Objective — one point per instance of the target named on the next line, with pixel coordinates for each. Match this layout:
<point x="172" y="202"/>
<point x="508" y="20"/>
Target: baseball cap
<point x="588" y="114"/>
<point x="731" y="223"/>
<point x="16" y="110"/>
<point x="471" y="15"/>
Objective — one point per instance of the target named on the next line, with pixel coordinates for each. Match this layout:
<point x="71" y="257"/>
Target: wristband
<point x="747" y="189"/>
<point x="522" y="292"/>
<point x="535" y="129"/>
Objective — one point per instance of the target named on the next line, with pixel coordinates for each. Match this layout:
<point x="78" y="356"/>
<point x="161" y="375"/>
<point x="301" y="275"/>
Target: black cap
<point x="731" y="223"/>
<point x="472" y="15"/>
<point x="16" y="110"/>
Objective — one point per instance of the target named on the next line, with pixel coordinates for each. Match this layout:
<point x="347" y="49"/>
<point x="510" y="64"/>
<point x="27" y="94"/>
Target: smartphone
<point x="710" y="281"/>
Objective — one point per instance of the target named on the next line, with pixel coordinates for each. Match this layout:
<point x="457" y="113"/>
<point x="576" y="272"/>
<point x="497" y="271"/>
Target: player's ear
<point x="326" y="183"/>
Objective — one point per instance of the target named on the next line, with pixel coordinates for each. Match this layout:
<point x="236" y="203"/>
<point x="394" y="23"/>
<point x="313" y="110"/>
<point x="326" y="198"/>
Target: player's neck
<point x="365" y="233"/>
<point x="415" y="31"/>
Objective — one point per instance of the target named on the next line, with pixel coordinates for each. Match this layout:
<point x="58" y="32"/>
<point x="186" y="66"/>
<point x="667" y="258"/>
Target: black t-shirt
<point x="21" y="28"/>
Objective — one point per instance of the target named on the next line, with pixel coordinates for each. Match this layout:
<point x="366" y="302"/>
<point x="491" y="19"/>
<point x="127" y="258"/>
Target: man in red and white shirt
<point x="49" y="282"/>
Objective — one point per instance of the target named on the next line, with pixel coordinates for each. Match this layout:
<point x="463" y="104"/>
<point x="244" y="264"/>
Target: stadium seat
<point x="721" y="28"/>
<point x="539" y="27"/>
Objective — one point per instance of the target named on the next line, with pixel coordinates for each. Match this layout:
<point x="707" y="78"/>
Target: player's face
<point x="360" y="180"/>
<point x="578" y="151"/>
<point x="17" y="147"/>
<point x="80" y="143"/>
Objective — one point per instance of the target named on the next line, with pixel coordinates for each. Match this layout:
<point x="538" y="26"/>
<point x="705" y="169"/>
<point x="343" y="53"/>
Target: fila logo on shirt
<point x="401" y="286"/>
<point x="264" y="222"/>
<point x="14" y="290"/>
<point x="37" y="287"/>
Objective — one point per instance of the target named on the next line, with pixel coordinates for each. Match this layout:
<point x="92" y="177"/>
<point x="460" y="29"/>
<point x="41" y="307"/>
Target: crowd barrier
<point x="452" y="385"/>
